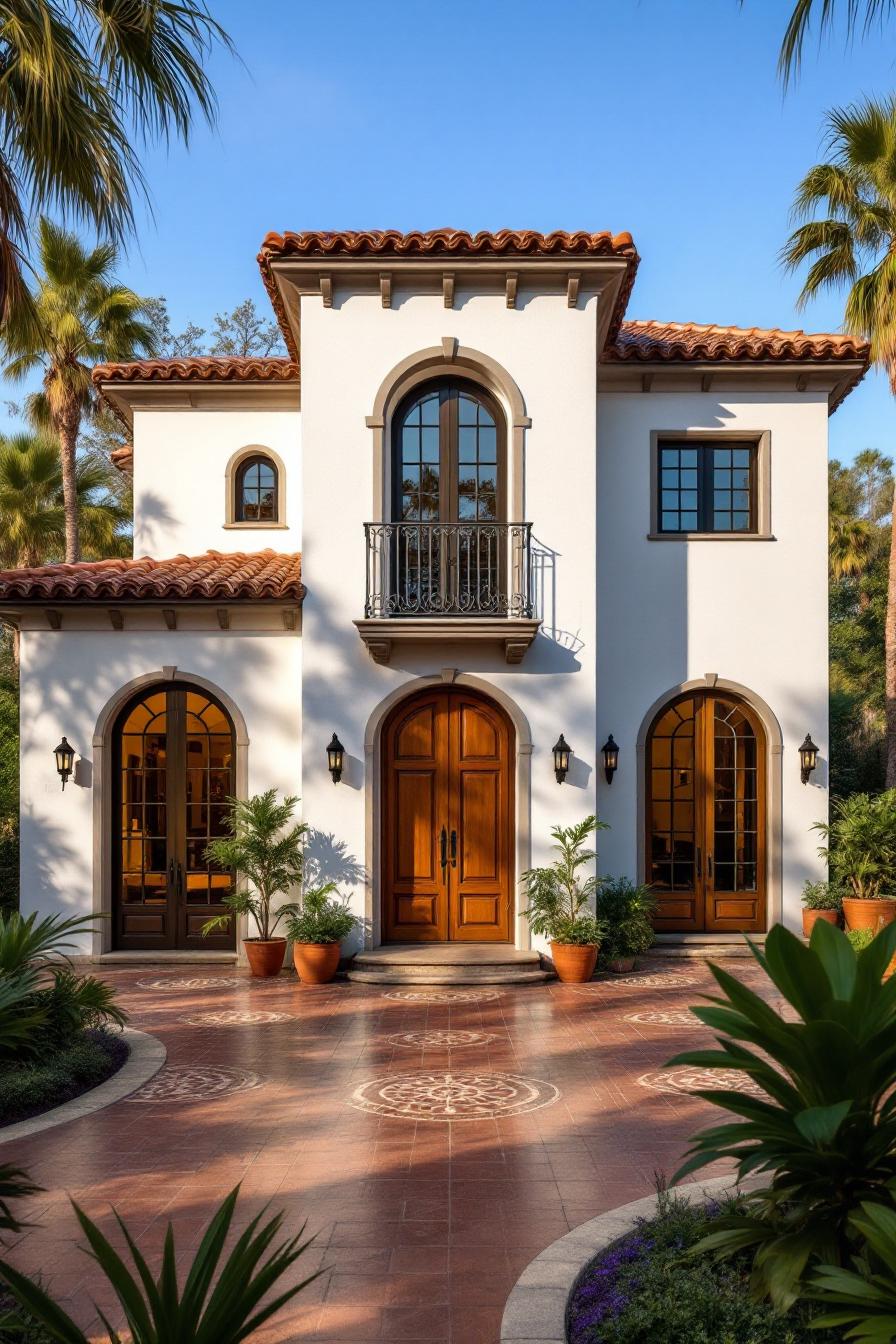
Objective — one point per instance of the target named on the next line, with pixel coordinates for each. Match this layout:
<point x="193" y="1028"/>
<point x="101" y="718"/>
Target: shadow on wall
<point x="154" y="514"/>
<point x="328" y="860"/>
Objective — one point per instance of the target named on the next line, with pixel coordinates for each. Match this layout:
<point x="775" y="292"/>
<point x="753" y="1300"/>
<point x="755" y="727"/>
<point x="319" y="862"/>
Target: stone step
<point x="448" y="964"/>
<point x="456" y="975"/>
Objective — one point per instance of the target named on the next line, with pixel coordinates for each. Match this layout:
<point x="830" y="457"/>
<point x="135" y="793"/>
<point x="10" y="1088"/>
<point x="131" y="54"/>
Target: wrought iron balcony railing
<point x="449" y="569"/>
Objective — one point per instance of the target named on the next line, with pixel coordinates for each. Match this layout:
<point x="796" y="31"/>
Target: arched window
<point x="256" y="490"/>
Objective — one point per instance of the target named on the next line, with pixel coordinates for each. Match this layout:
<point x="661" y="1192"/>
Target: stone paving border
<point x="536" y="1308"/>
<point x="146" y="1056"/>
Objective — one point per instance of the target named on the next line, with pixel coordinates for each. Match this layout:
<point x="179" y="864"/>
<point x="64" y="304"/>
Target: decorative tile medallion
<point x="196" y="1082"/>
<point x="190" y="982"/>
<point x="232" y="1017"/>
<point x="678" y="1018"/>
<point x="445" y="996"/>
<point x="642" y="981"/>
<point x="699" y="1080"/>
<point x="440" y="1040"/>
<point x="453" y="1096"/>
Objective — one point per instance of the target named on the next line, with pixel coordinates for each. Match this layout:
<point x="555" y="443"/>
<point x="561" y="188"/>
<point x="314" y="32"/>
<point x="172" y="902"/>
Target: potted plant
<point x="823" y="901"/>
<point x="626" y="911"/>
<point x="269" y="856"/>
<point x="861" y="855"/>
<point x="558" y="901"/>
<point x="317" y="926"/>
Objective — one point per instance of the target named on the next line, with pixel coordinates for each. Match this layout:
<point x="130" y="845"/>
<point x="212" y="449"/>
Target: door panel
<point x="706" y="816"/>
<point x="447" y="821"/>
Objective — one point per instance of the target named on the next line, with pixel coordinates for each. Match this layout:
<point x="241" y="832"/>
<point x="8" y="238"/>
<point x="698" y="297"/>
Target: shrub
<point x="864" y="1297"/>
<point x="625" y="910"/>
<point x="822" y="896"/>
<point x="319" y="919"/>
<point x="825" y="1133"/>
<point x="265" y="852"/>
<point x="557" y="897"/>
<point x="859" y="939"/>
<point x="36" y="1086"/>
<point x="861" y="844"/>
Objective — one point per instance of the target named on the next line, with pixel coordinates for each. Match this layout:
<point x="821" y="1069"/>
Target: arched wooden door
<point x="447" y="819"/>
<point x="175" y="753"/>
<point x="706" y="815"/>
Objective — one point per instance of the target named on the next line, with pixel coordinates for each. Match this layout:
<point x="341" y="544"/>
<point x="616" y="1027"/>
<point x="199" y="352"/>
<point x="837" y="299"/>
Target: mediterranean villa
<point x="480" y="556"/>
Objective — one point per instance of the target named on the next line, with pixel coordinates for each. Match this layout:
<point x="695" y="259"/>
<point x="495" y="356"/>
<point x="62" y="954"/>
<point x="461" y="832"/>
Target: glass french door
<point x="706" y="829"/>
<point x="175" y="751"/>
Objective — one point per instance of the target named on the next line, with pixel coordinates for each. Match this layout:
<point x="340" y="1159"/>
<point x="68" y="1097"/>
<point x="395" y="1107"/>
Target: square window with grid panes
<point x="706" y="487"/>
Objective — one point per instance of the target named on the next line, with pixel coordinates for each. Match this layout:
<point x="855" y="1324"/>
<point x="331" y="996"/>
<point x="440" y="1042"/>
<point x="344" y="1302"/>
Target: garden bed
<point x="30" y="1089"/>
<point x="646" y="1287"/>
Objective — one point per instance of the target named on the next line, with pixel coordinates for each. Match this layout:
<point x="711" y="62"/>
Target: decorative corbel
<point x="448" y="289"/>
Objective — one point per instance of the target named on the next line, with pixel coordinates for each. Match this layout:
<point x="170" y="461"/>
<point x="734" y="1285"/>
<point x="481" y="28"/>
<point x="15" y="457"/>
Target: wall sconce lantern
<point x="562" y="753"/>
<point x="808" y="758"/>
<point x="335" y="758"/>
<point x="65" y="760"/>
<point x="610" y="752"/>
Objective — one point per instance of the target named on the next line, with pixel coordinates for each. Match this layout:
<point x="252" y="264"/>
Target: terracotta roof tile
<point x="201" y="368"/>
<point x="677" y="341"/>
<point x="447" y="242"/>
<point x="215" y="577"/>
<point x="123" y="459"/>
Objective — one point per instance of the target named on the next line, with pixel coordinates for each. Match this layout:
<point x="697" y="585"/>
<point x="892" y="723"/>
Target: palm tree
<point x="82" y="84"/>
<point x="804" y="11"/>
<point x="32" y="516"/>
<point x="81" y="316"/>
<point x="852" y="246"/>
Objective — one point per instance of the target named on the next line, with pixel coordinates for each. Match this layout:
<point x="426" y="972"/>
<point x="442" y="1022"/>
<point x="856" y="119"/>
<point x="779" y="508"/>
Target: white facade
<point x="625" y="620"/>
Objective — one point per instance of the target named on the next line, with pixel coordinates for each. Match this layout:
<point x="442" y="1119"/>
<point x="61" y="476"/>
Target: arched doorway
<point x="447" y="819"/>
<point x="706" y="814"/>
<point x="174" y="753"/>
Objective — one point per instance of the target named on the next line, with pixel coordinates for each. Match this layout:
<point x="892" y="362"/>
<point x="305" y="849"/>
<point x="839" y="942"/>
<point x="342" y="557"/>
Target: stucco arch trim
<point x="103" y="773"/>
<point x="230" y="472"/>
<point x="774" y="778"/>
<point x="444" y="360"/>
<point x="373" y="791"/>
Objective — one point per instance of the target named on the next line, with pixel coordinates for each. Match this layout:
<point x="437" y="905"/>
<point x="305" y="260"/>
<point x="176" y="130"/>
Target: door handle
<point x="454" y="849"/>
<point x="443" y="850"/>
<point x="180" y="879"/>
<point x="172" y="877"/>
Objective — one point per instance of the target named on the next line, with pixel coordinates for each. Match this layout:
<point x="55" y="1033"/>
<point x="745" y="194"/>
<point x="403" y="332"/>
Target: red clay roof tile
<point x="447" y="242"/>
<point x="678" y="341"/>
<point x="236" y="577"/>
<point x="201" y="368"/>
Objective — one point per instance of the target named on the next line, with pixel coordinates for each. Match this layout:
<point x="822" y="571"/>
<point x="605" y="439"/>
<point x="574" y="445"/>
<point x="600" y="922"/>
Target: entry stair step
<point x="704" y="946"/>
<point x="448" y="964"/>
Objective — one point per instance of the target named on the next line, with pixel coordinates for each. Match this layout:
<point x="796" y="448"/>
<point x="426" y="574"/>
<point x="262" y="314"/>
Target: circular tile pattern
<point x="189" y="982"/>
<point x="678" y="1018"/>
<point x="440" y="1040"/>
<point x="196" y="1082"/>
<point x="451" y="1097"/>
<point x="642" y="981"/>
<point x="699" y="1080"/>
<point x="445" y="996"/>
<point x="232" y="1017"/>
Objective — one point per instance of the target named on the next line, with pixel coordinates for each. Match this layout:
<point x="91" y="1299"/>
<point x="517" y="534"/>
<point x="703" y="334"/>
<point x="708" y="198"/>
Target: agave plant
<point x="863" y="1297"/>
<point x="29" y="943"/>
<point x="825" y="1132"/>
<point x="159" y="1310"/>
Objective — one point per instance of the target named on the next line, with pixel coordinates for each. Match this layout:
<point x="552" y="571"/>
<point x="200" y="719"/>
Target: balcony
<point x="465" y="582"/>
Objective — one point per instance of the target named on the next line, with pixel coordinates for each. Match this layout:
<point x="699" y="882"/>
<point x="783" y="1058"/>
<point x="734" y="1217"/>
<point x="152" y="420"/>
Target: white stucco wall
<point x="750" y="612"/>
<point x="180" y="460"/>
<point x="67" y="677"/>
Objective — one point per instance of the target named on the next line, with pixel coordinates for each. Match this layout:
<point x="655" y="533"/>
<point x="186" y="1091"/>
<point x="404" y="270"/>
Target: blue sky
<point x="663" y="117"/>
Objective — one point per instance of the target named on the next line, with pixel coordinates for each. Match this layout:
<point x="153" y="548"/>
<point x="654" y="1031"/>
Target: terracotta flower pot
<point x="574" y="962"/>
<point x="316" y="963"/>
<point x="862" y="914"/>
<point x="811" y="918"/>
<point x="621" y="965"/>
<point x="265" y="955"/>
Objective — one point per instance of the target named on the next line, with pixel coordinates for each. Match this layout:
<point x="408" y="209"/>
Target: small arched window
<point x="257" y="492"/>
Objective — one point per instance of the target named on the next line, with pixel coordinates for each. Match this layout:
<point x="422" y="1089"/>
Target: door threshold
<point x="145" y="957"/>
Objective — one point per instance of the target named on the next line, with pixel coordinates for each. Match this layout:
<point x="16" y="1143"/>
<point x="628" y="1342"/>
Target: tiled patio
<point x="333" y="1104"/>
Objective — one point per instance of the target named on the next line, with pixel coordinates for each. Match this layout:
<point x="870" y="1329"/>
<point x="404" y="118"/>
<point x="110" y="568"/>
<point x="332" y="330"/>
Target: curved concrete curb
<point x="146" y="1057"/>
<point x="536" y="1308"/>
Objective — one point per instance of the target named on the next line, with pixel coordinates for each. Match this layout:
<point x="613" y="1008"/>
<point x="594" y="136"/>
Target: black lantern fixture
<point x="335" y="757"/>
<point x="808" y="758"/>
<point x="610" y="752"/>
<point x="65" y="760"/>
<point x="562" y="753"/>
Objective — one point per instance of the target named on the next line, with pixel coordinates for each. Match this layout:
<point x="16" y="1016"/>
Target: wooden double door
<point x="706" y="815"/>
<point x="447" y="817"/>
<point x="174" y="749"/>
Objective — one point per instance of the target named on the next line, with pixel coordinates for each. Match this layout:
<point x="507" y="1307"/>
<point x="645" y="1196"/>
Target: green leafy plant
<point x="861" y="844"/>
<point x="266" y="850"/>
<point x="159" y="1310"/>
<point x="318" y="919"/>
<point x="859" y="939"/>
<point x="822" y="896"/>
<point x="825" y="1132"/>
<point x="558" y="897"/>
<point x="626" y="910"/>
<point x="863" y="1297"/>
<point x="48" y="1078"/>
